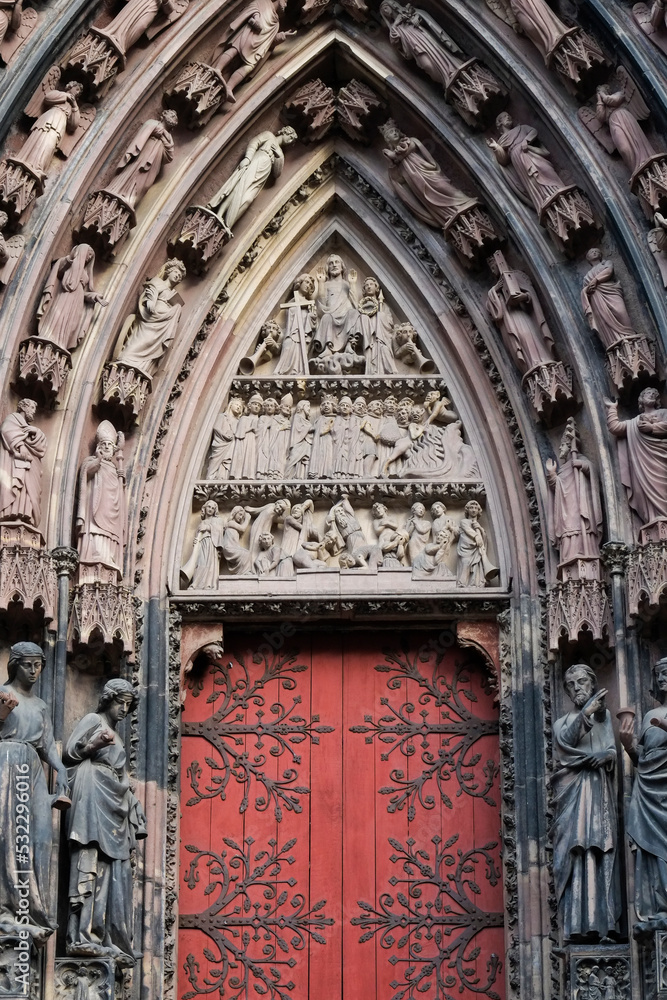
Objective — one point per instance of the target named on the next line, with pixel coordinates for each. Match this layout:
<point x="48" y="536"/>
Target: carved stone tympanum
<point x="562" y="208"/>
<point x="629" y="355"/>
<point x="584" y="846"/>
<point x="572" y="52"/>
<point x="578" y="602"/>
<point x="517" y="312"/>
<point x="420" y="183"/>
<point x="468" y="85"/>
<point x="100" y="603"/>
<point x="59" y="125"/>
<point x="26" y="744"/>
<point x="110" y="213"/>
<point x="615" y="124"/>
<point x="98" y="56"/>
<point x="103" y="826"/>
<point x="127" y="380"/>
<point x="246" y="43"/>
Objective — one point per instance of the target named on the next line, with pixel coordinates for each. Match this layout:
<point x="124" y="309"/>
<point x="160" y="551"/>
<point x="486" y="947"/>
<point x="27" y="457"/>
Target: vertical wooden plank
<point x="359" y="794"/>
<point x="326" y="806"/>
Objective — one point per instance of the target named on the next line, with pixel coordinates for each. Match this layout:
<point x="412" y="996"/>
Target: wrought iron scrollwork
<point x="456" y="732"/>
<point x="437" y="919"/>
<point x="253" y="906"/>
<point x="275" y="725"/>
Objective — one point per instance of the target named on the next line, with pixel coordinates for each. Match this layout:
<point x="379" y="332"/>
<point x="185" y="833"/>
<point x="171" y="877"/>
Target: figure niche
<point x="338" y="452"/>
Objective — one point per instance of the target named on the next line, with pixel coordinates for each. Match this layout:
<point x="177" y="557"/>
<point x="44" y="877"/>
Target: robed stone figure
<point x="585" y="824"/>
<point x="642" y="453"/>
<point x="646" y="818"/>
<point x="101" y="509"/>
<point x="576" y="512"/>
<point x="22" y="448"/>
<point x="515" y="308"/>
<point x="104" y="824"/>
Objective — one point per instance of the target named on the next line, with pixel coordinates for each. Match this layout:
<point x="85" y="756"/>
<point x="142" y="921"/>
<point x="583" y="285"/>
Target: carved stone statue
<point x="142" y="161"/>
<point x="222" y="443"/>
<point x="26" y="744"/>
<point x="100" y="516"/>
<point x="474" y="568"/>
<point x="418" y="528"/>
<point x="576" y="513"/>
<point x="202" y="569"/>
<point x="301" y="540"/>
<point x="301" y="321"/>
<point x="22" y="448"/>
<point x="467" y="83"/>
<point x="348" y="540"/>
<point x="645" y="821"/>
<point x="336" y="306"/>
<point x="392" y="540"/>
<point x="248" y="42"/>
<point x="66" y="308"/>
<point x="16" y="24"/>
<point x="321" y="453"/>
<point x="432" y="560"/>
<point x="603" y="301"/>
<point x="59" y="117"/>
<point x="642" y="452"/>
<point x="585" y="825"/>
<point x="155" y="323"/>
<point x="376" y="324"/>
<point x="300" y="442"/>
<point x="264" y="158"/>
<point x="652" y="19"/>
<point x="245" y="456"/>
<point x="10" y="250"/>
<point x="517" y="312"/>
<point x="268" y="346"/>
<point x="104" y="824"/>
<point x="561" y="207"/>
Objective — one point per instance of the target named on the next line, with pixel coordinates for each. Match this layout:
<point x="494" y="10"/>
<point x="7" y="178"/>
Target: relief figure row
<point x="338" y="540"/>
<point x="104" y="819"/>
<point x="348" y="439"/>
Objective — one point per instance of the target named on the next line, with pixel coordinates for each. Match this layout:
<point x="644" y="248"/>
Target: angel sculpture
<point x="60" y="123"/>
<point x="615" y="122"/>
<point x="10" y="251"/>
<point x="15" y="26"/>
<point x="652" y="19"/>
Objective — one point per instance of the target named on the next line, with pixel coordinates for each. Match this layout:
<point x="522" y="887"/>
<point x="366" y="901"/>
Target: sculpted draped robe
<point x="263" y="158"/>
<point x="203" y="567"/>
<point x="102" y="511"/>
<point x="420" y="183"/>
<point x="65" y="311"/>
<point x="534" y="175"/>
<point x="540" y="24"/>
<point x="522" y="322"/>
<point x="577" y="513"/>
<point x="142" y="162"/>
<point x="153" y="328"/>
<point x="604" y="305"/>
<point x="584" y="830"/>
<point x="415" y="41"/>
<point x="646" y="819"/>
<point x="21" y="477"/>
<point x="61" y="116"/>
<point x="643" y="461"/>
<point x="251" y="46"/>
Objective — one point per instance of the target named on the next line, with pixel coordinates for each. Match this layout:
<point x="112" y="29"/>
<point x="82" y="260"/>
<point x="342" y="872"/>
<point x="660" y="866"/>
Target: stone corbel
<point x="125" y="390"/>
<point x="201" y="238"/>
<point x="569" y="218"/>
<point x="549" y="388"/>
<point x="579" y="58"/>
<point x="311" y="110"/>
<point x="578" y="605"/>
<point x="199" y="639"/>
<point x="359" y="111"/>
<point x="483" y="636"/>
<point x="106" y="222"/>
<point x="647" y="571"/>
<point x="43" y="369"/>
<point x="630" y="360"/>
<point x="197" y="94"/>
<point x="473" y="236"/>
<point x="27" y="573"/>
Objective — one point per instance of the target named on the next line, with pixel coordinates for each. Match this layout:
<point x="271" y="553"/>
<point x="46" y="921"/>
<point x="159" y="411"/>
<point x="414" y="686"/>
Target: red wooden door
<point x="340" y="822"/>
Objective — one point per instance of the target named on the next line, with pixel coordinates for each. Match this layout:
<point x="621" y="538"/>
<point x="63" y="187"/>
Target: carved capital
<point x="202" y="236"/>
<point x="647" y="578"/>
<point x="577" y="608"/>
<point x="43" y="369"/>
<point x="65" y="560"/>
<point x="197" y="94"/>
<point x="107" y="220"/>
<point x="124" y="390"/>
<point x="84" y="979"/>
<point x="19" y="186"/>
<point x="105" y="609"/>
<point x="95" y="62"/>
<point x="27" y="574"/>
<point x="359" y="111"/>
<point x="615" y="556"/>
<point x="549" y="388"/>
<point x="630" y="360"/>
<point x="580" y="60"/>
<point x="472" y="234"/>
<point x="569" y="218"/>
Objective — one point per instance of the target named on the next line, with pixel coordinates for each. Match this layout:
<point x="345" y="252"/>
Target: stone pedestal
<point x="42" y="369"/>
<point x="124" y="390"/>
<point x="311" y="110"/>
<point x="647" y="570"/>
<point x="549" y="388"/>
<point x="359" y="111"/>
<point x="578" y="605"/>
<point x="84" y="979"/>
<point x="580" y="60"/>
<point x="472" y="235"/>
<point x="569" y="218"/>
<point x="476" y="94"/>
<point x="20" y="185"/>
<point x="197" y="94"/>
<point x="27" y="575"/>
<point x="202" y="236"/>
<point x="106" y="222"/>
<point x="101" y="605"/>
<point x="630" y="360"/>
<point x="95" y="61"/>
<point x="649" y="183"/>
<point x="608" y="965"/>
